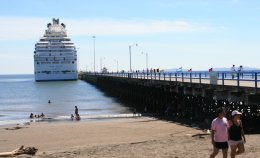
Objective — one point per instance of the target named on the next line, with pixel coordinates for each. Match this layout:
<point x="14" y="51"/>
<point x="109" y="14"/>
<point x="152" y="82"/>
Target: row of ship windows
<point x="55" y="72"/>
<point x="54" y="59"/>
<point x="67" y="54"/>
<point x="56" y="62"/>
<point x="54" y="40"/>
<point x="55" y="46"/>
<point x="64" y="39"/>
<point x="63" y="50"/>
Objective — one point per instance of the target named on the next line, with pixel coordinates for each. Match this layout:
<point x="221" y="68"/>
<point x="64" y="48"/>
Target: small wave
<point x="91" y="109"/>
<point x="13" y="122"/>
<point x="105" y="116"/>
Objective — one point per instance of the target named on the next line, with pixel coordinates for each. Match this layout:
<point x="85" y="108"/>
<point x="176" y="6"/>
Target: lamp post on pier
<point x="101" y="64"/>
<point x="146" y="59"/>
<point x="94" y="45"/>
<point x="131" y="56"/>
<point x="116" y="65"/>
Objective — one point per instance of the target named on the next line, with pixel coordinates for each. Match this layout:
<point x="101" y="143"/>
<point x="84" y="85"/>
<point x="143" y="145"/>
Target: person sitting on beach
<point x="42" y="115"/>
<point x="72" y="116"/>
<point x="31" y="115"/>
<point x="134" y="112"/>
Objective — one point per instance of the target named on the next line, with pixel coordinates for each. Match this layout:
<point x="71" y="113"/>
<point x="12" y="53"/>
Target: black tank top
<point x="235" y="132"/>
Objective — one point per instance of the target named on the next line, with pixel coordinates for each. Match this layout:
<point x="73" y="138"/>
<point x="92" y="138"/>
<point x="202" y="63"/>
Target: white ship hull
<point x="55" y="77"/>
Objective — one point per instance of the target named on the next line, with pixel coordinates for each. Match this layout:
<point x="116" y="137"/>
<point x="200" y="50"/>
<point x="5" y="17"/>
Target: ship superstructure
<point x="55" y="56"/>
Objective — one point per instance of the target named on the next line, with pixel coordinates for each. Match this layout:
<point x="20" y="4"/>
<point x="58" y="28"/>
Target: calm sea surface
<point x="20" y="95"/>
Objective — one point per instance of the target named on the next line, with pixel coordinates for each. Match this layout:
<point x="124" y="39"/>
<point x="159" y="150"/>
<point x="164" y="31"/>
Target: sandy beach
<point x="125" y="137"/>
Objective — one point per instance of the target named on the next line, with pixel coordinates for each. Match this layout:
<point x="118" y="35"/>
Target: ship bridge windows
<point x="47" y="72"/>
<point x="45" y="62"/>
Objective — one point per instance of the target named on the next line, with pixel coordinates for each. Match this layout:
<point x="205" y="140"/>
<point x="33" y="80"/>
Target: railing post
<point x="164" y="76"/>
<point x="238" y="81"/>
<point x="223" y="80"/>
<point x="182" y="77"/>
<point x="170" y="76"/>
<point x="255" y="82"/>
<point x="159" y="76"/>
<point x="200" y="78"/>
<point x="190" y="77"/>
<point x="155" y="76"/>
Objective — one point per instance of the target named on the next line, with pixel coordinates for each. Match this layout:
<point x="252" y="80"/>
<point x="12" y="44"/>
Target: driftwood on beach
<point x="20" y="151"/>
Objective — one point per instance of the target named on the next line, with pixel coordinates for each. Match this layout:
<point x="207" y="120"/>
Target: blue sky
<point x="196" y="34"/>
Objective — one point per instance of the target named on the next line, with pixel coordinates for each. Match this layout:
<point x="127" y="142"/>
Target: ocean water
<point x="20" y="95"/>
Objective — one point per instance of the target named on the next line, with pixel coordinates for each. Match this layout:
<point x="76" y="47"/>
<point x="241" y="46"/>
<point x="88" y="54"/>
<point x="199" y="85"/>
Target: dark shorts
<point x="221" y="145"/>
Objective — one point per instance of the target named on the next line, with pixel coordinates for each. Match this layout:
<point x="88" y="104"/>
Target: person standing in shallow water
<point x="219" y="134"/>
<point x="236" y="133"/>
<point x="76" y="110"/>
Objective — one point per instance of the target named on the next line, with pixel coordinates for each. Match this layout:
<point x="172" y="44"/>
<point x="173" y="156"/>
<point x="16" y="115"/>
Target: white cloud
<point x="20" y="28"/>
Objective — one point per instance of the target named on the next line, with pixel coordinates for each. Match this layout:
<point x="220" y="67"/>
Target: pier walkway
<point x="245" y="79"/>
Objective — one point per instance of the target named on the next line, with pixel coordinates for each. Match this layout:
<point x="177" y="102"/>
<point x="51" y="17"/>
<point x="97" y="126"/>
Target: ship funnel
<point x="55" y="21"/>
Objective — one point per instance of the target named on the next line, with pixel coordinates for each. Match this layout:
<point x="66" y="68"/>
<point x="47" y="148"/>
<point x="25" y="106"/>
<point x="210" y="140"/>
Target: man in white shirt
<point x="233" y="71"/>
<point x="219" y="134"/>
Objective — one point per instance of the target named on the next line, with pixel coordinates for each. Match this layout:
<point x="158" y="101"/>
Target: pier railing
<point x="245" y="79"/>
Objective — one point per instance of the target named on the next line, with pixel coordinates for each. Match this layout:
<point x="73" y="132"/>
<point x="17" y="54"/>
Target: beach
<point x="121" y="137"/>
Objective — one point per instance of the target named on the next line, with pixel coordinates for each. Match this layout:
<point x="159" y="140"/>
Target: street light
<point x="94" y="37"/>
<point x="130" y="55"/>
<point x="101" y="64"/>
<point x="146" y="56"/>
<point x="116" y="64"/>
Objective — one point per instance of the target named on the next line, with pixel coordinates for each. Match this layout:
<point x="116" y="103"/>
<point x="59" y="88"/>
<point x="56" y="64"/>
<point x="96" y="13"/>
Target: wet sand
<point x="122" y="137"/>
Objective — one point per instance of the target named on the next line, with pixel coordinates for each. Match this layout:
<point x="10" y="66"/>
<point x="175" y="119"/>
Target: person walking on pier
<point x="233" y="71"/>
<point x="219" y="134"/>
<point x="236" y="133"/>
<point x="240" y="71"/>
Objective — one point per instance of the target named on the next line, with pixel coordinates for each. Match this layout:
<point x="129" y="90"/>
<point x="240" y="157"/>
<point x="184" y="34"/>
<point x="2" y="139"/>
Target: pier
<point x="190" y="97"/>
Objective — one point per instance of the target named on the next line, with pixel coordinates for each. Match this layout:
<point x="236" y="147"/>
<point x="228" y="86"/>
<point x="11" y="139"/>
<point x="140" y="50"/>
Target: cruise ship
<point x="55" y="56"/>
